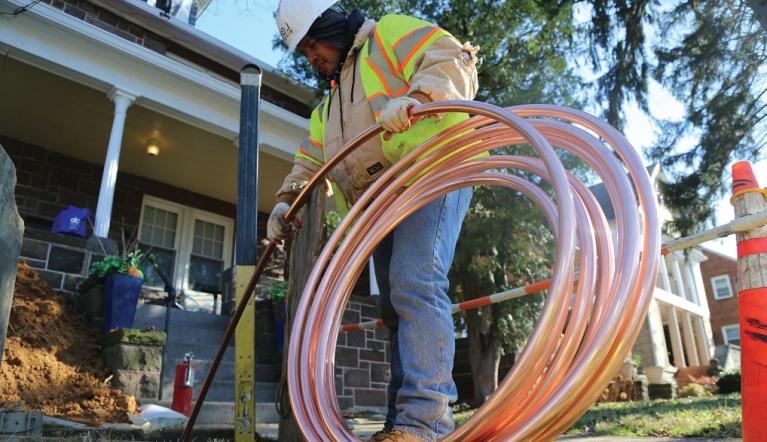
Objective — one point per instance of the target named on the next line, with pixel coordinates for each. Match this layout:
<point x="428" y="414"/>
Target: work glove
<point x="276" y="227"/>
<point x="395" y="115"/>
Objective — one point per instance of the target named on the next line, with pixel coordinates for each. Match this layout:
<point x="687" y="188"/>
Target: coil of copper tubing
<point x="584" y="330"/>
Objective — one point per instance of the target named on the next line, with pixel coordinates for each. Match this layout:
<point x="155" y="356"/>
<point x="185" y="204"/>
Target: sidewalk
<point x="364" y="428"/>
<point x="640" y="439"/>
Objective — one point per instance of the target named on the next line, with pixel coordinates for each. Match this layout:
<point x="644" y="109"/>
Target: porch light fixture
<point x="153" y="148"/>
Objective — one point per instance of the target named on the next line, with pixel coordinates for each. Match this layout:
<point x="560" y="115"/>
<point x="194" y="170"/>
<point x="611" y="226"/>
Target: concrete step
<point x="266" y="412"/>
<point x="202" y="352"/>
<point x="212" y="413"/>
<point x="222" y="413"/>
<point x="267" y="373"/>
<point x="264" y="372"/>
<point x="265" y="391"/>
<point x="218" y="392"/>
<point x="222" y="388"/>
<point x="183" y="334"/>
<point x="224" y="391"/>
<point x="148" y="314"/>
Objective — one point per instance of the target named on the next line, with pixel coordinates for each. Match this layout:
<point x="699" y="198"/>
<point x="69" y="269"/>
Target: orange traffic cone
<point x="752" y="304"/>
<point x="743" y="180"/>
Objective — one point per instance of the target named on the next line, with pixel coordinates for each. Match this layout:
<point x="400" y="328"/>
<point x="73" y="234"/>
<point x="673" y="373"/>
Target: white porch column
<point x="122" y="101"/>
<point x="677" y="276"/>
<point x="704" y="344"/>
<point x="665" y="281"/>
<point x="692" y="290"/>
<point x="698" y="278"/>
<point x="676" y="338"/>
<point x="689" y="340"/>
<point x="655" y="323"/>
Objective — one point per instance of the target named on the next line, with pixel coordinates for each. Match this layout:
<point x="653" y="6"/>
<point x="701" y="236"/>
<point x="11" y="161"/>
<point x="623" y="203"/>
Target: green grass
<point x="715" y="417"/>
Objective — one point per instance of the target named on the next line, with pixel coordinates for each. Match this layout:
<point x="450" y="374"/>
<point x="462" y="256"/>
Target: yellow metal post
<point x="245" y="363"/>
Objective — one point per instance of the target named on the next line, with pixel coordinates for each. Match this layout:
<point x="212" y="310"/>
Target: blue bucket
<point x="121" y="294"/>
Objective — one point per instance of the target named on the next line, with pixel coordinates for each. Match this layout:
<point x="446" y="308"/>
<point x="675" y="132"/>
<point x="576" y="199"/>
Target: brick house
<point x="720" y="276"/>
<point x="86" y="86"/>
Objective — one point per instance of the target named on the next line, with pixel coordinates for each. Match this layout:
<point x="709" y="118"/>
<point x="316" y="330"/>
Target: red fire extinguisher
<point x="182" y="388"/>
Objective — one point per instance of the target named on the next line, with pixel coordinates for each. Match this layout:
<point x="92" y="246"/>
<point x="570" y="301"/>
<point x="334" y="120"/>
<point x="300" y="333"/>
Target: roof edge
<point x="204" y="44"/>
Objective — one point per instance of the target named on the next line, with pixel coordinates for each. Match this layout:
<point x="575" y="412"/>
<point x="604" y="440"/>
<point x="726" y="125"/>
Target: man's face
<point x="323" y="57"/>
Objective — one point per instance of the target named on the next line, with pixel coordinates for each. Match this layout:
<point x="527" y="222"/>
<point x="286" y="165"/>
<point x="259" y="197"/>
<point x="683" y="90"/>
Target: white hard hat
<point x="295" y="17"/>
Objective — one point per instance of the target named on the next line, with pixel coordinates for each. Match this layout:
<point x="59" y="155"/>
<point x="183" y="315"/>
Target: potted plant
<point x="113" y="286"/>
<point x="122" y="280"/>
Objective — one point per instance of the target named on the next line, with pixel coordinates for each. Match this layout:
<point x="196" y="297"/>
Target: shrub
<point x="694" y="390"/>
<point x="729" y="382"/>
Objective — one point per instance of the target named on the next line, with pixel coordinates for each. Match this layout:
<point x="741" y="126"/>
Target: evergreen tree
<point x="711" y="56"/>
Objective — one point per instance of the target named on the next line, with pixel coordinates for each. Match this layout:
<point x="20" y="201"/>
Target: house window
<point x="193" y="247"/>
<point x="731" y="334"/>
<point x="157" y="234"/>
<point x="721" y="286"/>
<point x="207" y="260"/>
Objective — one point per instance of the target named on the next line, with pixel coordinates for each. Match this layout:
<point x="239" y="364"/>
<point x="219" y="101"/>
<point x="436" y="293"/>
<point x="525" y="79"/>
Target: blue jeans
<point x="411" y="266"/>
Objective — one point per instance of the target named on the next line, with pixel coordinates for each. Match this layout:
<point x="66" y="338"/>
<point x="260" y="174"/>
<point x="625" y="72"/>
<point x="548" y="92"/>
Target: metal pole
<point x="246" y="241"/>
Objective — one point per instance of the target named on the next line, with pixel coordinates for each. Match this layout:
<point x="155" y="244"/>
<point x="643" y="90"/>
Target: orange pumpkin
<point x="133" y="271"/>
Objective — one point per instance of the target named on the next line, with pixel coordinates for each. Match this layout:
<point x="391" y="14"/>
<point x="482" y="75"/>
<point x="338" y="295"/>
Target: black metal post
<point x="247" y="168"/>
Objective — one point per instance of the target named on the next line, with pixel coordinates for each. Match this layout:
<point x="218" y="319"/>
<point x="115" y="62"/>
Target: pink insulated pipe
<point x="566" y="363"/>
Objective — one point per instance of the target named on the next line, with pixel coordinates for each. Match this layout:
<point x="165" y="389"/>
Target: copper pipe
<point x="562" y="369"/>
<point x="558" y="374"/>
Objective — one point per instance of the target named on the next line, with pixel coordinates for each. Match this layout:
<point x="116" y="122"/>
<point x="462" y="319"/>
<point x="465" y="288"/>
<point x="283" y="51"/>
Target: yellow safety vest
<point x="386" y="62"/>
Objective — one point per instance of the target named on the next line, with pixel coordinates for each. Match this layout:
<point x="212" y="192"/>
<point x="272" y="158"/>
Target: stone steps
<point x="201" y="333"/>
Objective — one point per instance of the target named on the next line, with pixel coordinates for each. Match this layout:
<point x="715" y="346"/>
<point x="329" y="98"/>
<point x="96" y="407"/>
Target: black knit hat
<point x="335" y="28"/>
<point x="331" y="27"/>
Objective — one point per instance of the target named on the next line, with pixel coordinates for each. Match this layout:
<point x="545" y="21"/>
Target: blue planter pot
<point x="121" y="294"/>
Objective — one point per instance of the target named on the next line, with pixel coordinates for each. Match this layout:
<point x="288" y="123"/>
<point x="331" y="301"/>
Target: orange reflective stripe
<point x="309" y="146"/>
<point x="417" y="47"/>
<point x="405" y="45"/>
<point x="383" y="51"/>
<point x="378" y="60"/>
<point x="315" y="142"/>
<point x="300" y="153"/>
<point x="379" y="74"/>
<point x="405" y="37"/>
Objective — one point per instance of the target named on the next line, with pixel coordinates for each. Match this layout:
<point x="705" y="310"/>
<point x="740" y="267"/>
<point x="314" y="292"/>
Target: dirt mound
<point x="51" y="361"/>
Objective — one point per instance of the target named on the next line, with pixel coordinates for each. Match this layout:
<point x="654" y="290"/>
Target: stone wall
<point x="362" y="359"/>
<point x="135" y="359"/>
<point x="723" y="311"/>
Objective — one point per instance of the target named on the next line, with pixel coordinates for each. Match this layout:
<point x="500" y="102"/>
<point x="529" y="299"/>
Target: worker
<point x="377" y="72"/>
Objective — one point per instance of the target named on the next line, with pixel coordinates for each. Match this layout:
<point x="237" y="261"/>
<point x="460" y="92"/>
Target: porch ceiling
<point x="50" y="111"/>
